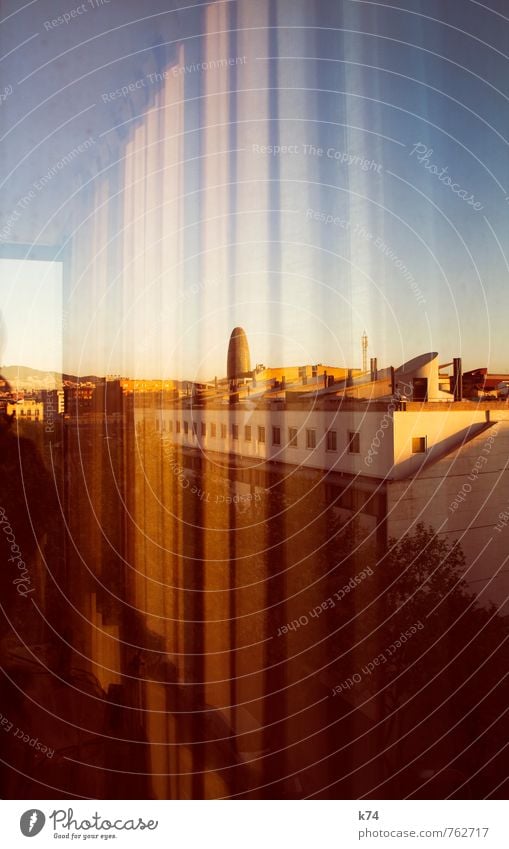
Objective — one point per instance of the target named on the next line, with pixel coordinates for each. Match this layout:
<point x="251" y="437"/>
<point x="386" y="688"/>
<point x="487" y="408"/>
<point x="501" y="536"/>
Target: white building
<point x="27" y="410"/>
<point x="392" y="462"/>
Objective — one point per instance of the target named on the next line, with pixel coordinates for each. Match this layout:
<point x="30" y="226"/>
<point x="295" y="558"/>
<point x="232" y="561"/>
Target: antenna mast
<point x="364" y="341"/>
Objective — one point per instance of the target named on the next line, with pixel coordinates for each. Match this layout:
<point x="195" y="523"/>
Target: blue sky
<point x="409" y="107"/>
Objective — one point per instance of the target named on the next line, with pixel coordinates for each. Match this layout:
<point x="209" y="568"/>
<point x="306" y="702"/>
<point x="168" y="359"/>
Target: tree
<point x="429" y="655"/>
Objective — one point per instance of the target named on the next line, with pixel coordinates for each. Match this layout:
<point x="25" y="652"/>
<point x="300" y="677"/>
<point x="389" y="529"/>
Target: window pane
<point x="253" y="220"/>
<point x="331" y="440"/>
<point x="354" y="443"/>
<point x="418" y="445"/>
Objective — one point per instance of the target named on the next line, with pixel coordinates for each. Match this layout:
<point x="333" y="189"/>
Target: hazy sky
<point x="31" y="308"/>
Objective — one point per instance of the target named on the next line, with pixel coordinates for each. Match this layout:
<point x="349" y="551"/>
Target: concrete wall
<point x="465" y="497"/>
<point x="443" y="430"/>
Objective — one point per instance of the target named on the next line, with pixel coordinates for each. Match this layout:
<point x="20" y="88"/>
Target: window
<point x="354" y="442"/>
<point x="195" y="428"/>
<point x="310" y="438"/>
<point x="261" y="434"/>
<point x="213" y="430"/>
<point x="235" y="431"/>
<point x="247" y="433"/>
<point x="177" y="427"/>
<point x="419" y="444"/>
<point x="170" y="426"/>
<point x="186" y="428"/>
<point x="292" y="437"/>
<point x="223" y="431"/>
<point x="203" y="429"/>
<point x="420" y="389"/>
<point x="276" y="436"/>
<point x="332" y="440"/>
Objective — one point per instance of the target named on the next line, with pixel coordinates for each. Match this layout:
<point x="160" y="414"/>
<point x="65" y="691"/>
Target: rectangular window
<point x="420" y="389"/>
<point x="419" y="444"/>
<point x="170" y="426"/>
<point x="235" y="431"/>
<point x="354" y="442"/>
<point x="332" y="440"/>
<point x="186" y="428"/>
<point x="261" y="434"/>
<point x="292" y="437"/>
<point x="195" y="428"/>
<point x="310" y="438"/>
<point x="177" y="427"/>
<point x="247" y="433"/>
<point x="213" y="430"/>
<point x="203" y="429"/>
<point x="223" y="431"/>
<point x="276" y="436"/>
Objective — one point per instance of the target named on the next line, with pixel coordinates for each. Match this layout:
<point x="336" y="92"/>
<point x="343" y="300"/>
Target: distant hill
<point x="33" y="379"/>
<point x="25" y="377"/>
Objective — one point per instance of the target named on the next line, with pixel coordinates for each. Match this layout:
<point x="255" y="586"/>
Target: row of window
<point x="331" y="438"/>
<point x="28" y="413"/>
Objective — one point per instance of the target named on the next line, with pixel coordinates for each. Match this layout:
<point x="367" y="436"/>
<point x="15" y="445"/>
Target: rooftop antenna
<point x="364" y="341"/>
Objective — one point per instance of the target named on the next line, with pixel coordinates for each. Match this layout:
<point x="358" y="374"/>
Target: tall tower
<point x="238" y="364"/>
<point x="364" y="341"/>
